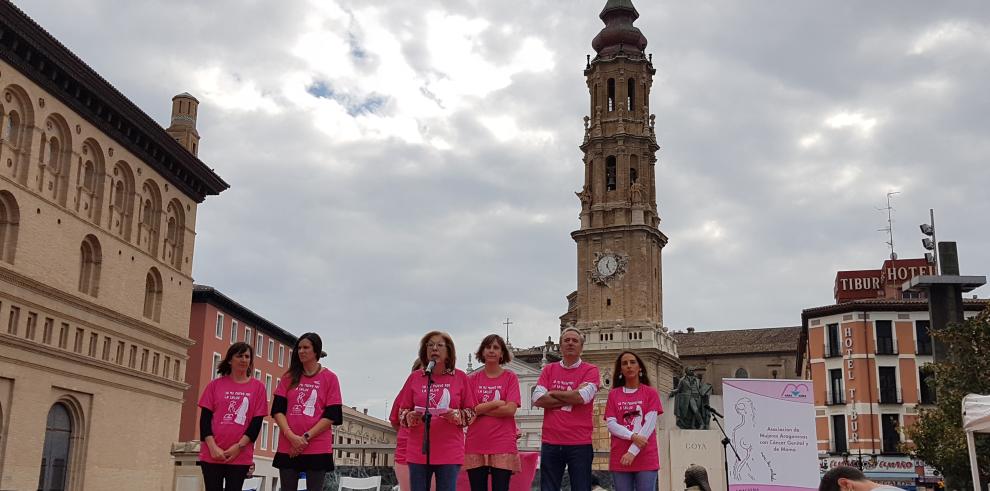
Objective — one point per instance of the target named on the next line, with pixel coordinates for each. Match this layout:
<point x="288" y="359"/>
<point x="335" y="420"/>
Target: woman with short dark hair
<point x="450" y="404"/>
<point x="491" y="449"/>
<point x="232" y="408"/>
<point x="306" y="403"/>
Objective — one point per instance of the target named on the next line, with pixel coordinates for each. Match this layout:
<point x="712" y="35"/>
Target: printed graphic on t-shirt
<point x="563" y="385"/>
<point x="490" y="393"/>
<point x="631" y="415"/>
<point x="439" y="399"/>
<point x="305" y="403"/>
<point x="237" y="408"/>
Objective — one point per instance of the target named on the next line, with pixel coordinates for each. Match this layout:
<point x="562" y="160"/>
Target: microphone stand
<point x="726" y="444"/>
<point x="427" y="417"/>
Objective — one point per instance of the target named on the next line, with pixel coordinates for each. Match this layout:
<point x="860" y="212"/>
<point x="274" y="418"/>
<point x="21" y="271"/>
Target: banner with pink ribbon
<point x="771" y="423"/>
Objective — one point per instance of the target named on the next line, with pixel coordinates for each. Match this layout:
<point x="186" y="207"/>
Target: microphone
<point x="716" y="413"/>
<point x="429" y="367"/>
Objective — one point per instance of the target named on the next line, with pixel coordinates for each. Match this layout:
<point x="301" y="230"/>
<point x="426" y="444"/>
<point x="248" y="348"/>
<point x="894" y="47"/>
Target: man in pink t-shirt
<point x="565" y="391"/>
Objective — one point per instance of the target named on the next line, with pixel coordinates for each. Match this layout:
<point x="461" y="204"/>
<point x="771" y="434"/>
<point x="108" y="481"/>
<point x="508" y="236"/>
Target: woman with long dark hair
<point x="232" y="408"/>
<point x="631" y="416"/>
<point x="451" y="406"/>
<point x="491" y="449"/>
<point x="306" y="403"/>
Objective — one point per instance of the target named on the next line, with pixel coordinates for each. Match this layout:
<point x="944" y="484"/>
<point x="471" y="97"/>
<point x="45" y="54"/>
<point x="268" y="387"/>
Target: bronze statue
<point x="690" y="401"/>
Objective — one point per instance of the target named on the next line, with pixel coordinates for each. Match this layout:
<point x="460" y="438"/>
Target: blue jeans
<point x="577" y="459"/>
<point x="420" y="476"/>
<point x="635" y="481"/>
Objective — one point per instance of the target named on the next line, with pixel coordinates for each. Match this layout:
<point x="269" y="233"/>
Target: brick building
<point x="866" y="355"/>
<point x="217" y="321"/>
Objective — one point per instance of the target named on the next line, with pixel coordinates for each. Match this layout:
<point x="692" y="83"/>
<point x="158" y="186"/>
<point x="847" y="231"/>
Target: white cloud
<point x="856" y="120"/>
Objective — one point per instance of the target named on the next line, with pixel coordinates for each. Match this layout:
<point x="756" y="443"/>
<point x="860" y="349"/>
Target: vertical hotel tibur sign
<point x="848" y="346"/>
<point x="771" y="423"/>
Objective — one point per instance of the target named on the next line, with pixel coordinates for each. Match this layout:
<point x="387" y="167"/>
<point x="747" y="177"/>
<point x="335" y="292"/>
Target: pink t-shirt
<point x="234" y="405"/>
<point x="450" y="391"/>
<point x="402" y="434"/>
<point x="305" y="408"/>
<point x="568" y="425"/>
<point x="492" y="434"/>
<point x="629" y="411"/>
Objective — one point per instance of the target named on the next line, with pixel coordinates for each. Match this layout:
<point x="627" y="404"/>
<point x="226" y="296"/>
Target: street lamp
<point x="929" y="242"/>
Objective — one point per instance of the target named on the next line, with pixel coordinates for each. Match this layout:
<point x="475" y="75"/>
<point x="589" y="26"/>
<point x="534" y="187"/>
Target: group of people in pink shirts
<point x="471" y="419"/>
<point x="485" y="403"/>
<point x="305" y="404"/>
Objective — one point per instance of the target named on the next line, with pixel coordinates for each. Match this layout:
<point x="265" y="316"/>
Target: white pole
<point x="971" y="443"/>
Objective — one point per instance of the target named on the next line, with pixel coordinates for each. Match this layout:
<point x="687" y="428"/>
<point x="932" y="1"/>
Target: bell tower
<point x="618" y="304"/>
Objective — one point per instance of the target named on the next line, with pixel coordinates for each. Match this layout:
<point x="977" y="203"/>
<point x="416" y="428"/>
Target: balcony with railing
<point x="890" y="395"/>
<point x="886" y="346"/>
<point x="834" y="398"/>
<point x="833" y="351"/>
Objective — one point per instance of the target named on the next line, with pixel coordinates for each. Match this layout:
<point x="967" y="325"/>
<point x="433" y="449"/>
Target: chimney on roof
<point x="690" y="330"/>
<point x="365" y="410"/>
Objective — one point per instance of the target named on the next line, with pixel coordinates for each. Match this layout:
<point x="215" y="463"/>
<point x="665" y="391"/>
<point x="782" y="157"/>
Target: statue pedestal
<point x="188" y="476"/>
<point x="681" y="448"/>
<point x="637" y="216"/>
<point x="687" y="447"/>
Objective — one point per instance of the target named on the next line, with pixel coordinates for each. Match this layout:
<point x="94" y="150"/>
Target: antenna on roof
<point x="890" y="224"/>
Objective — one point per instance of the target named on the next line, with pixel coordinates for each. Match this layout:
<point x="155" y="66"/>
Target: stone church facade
<point x="618" y="304"/>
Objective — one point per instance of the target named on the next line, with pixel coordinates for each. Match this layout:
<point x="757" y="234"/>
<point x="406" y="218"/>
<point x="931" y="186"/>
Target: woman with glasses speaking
<point x="438" y="397"/>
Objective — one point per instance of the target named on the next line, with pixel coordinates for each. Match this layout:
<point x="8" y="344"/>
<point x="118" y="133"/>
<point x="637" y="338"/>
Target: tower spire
<point x="619" y="32"/>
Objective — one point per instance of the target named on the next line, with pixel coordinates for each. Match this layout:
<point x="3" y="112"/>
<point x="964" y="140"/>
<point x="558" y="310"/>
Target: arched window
<point x="90" y="261"/>
<point x="55" y="456"/>
<point x="611" y="94"/>
<point x="17" y="114"/>
<point x="175" y="232"/>
<point x="153" y="295"/>
<point x="89" y="196"/>
<point x="121" y="200"/>
<point x="631" y="95"/>
<point x="54" y="159"/>
<point x="610" y="173"/>
<point x="12" y="129"/>
<point x="151" y="209"/>
<point x="10" y="217"/>
<point x="742" y="373"/>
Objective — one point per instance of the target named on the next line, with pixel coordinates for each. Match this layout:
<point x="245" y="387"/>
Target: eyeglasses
<point x="436" y="345"/>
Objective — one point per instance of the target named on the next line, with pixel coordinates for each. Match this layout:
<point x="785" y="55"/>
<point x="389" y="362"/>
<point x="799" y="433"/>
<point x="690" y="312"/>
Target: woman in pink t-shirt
<point x="401" y="438"/>
<point x="491" y="440"/>
<point x="450" y="404"/>
<point x="232" y="408"/>
<point x="306" y="403"/>
<point x="631" y="415"/>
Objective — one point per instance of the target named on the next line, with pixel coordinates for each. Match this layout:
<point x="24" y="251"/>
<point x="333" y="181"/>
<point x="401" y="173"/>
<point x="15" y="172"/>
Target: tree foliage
<point x="938" y="436"/>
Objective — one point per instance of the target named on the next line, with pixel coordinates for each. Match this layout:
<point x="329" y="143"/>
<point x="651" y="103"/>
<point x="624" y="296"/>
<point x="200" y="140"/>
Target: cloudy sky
<point x="400" y="166"/>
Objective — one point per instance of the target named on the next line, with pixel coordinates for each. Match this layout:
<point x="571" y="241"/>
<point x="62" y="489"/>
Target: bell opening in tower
<point x="610" y="173"/>
<point x="611" y="94"/>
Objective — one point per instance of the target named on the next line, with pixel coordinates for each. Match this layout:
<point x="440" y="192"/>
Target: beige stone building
<point x="97" y="227"/>
<point x="618" y="304"/>
<point x="773" y="352"/>
<point x="363" y="440"/>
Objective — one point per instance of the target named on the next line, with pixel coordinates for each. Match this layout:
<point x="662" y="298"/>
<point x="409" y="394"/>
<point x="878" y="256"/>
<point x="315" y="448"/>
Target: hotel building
<point x="867" y="355"/>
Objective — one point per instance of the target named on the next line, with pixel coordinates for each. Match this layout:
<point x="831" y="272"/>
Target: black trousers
<point x="479" y="478"/>
<point x="223" y="477"/>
